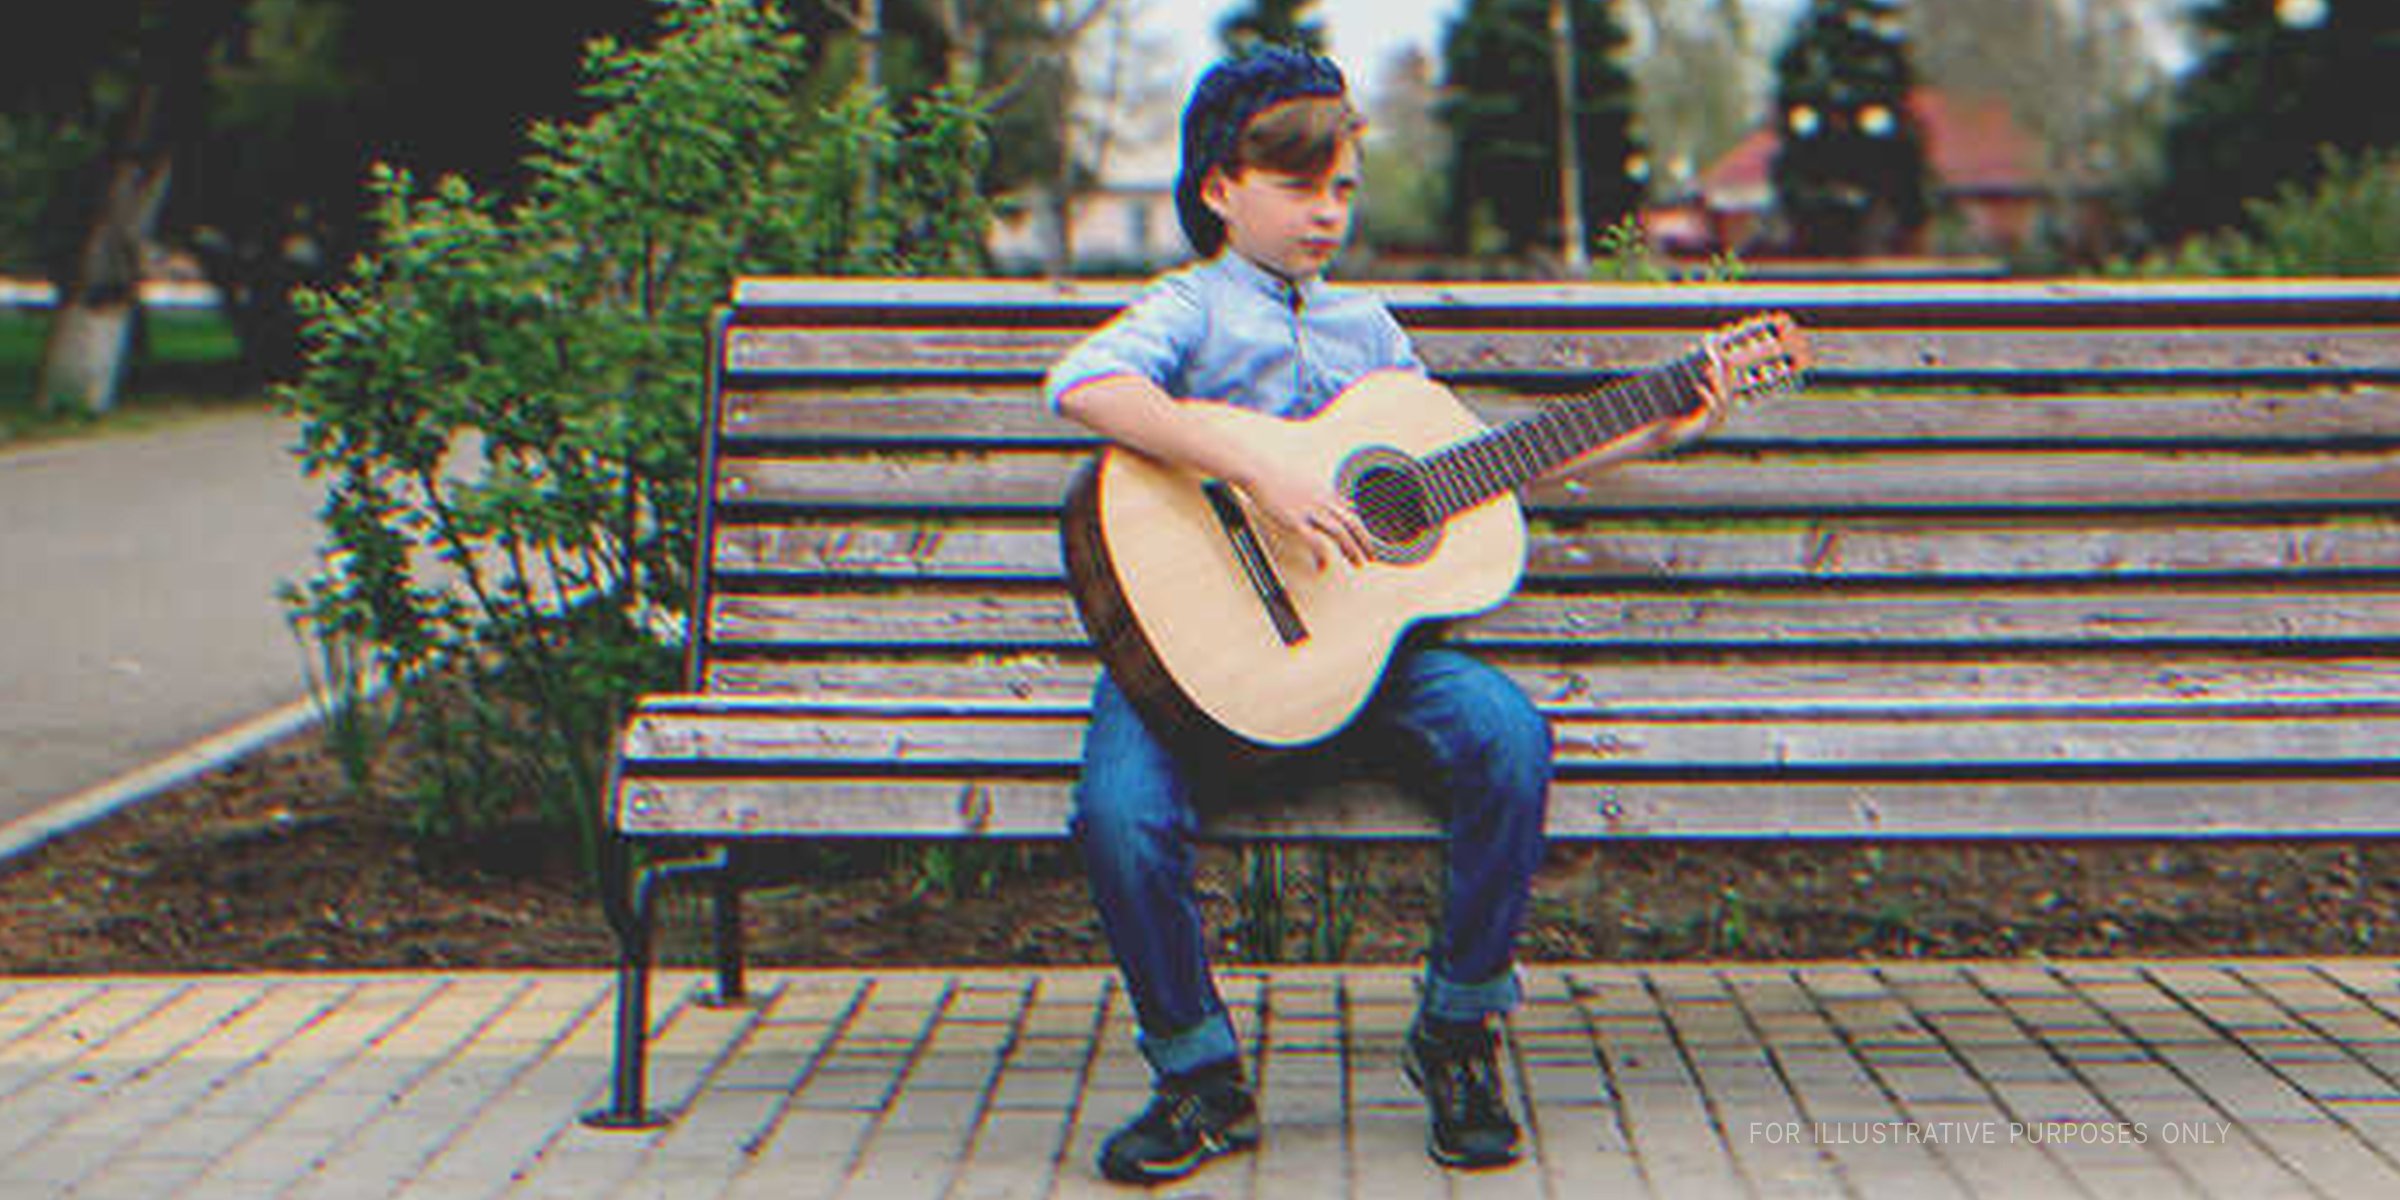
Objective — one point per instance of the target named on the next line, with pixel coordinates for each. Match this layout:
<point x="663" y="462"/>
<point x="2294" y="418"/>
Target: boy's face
<point x="1292" y="225"/>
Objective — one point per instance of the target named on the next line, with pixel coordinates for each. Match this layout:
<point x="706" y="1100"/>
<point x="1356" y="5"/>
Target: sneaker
<point x="1187" y="1124"/>
<point x="1457" y="1067"/>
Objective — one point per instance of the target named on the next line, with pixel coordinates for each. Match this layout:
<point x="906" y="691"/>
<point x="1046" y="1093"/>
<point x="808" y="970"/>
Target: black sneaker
<point x="1187" y="1123"/>
<point x="1457" y="1067"/>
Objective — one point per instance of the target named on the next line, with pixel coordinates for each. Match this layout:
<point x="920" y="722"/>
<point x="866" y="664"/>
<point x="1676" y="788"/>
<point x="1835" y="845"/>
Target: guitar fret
<point x="1564" y="444"/>
<point x="1623" y="417"/>
<point x="1589" y="427"/>
<point x="1639" y="403"/>
<point x="1521" y="460"/>
<point x="1541" y="449"/>
<point x="1445" y="485"/>
<point x="1465" y="474"/>
<point x="1655" y="407"/>
<point x="1685" y="373"/>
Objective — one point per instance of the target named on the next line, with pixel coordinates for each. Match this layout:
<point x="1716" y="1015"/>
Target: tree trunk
<point x="1061" y="192"/>
<point x="92" y="326"/>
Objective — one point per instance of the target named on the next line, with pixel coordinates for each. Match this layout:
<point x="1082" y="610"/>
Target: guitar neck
<point x="1507" y="458"/>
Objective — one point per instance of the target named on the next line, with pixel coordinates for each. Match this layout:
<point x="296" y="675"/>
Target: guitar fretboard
<point x="1464" y="475"/>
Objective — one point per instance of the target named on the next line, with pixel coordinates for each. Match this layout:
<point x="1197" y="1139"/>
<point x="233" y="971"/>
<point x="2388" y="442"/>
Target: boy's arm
<point x="1133" y="411"/>
<point x="1661" y="436"/>
<point x="1401" y="354"/>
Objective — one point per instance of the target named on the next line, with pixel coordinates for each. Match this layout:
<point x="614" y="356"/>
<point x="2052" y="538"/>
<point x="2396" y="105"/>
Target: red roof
<point x="1972" y="143"/>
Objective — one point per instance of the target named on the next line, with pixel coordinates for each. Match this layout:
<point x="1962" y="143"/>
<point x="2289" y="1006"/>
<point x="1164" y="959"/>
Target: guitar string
<point x="1481" y="467"/>
<point x="1528" y="448"/>
<point x="1448" y="480"/>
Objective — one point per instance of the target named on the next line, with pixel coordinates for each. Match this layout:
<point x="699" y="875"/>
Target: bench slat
<point x="2291" y="735"/>
<point x="1789" y="809"/>
<point x="1648" y="685"/>
<point x="2053" y="303"/>
<point x="2356" y="352"/>
<point x="921" y="415"/>
<point x="1701" y="482"/>
<point x="804" y="551"/>
<point x="973" y="621"/>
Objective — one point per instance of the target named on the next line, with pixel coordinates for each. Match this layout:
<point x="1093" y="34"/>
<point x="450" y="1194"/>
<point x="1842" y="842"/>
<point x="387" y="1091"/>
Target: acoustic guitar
<point x="1220" y="627"/>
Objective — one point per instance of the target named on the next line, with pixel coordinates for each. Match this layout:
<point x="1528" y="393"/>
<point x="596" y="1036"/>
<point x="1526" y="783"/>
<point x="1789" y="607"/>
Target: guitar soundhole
<point x="1390" y="499"/>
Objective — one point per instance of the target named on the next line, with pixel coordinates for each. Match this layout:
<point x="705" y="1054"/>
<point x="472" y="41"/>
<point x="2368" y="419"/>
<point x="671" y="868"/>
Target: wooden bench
<point x="2026" y="561"/>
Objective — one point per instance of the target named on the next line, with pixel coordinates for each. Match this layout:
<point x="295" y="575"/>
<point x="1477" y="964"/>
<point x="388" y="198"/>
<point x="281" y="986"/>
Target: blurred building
<point x="1991" y="191"/>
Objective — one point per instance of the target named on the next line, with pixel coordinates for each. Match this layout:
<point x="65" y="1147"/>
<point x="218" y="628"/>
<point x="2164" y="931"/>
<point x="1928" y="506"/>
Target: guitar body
<point x="1181" y="622"/>
<point x="1226" y="635"/>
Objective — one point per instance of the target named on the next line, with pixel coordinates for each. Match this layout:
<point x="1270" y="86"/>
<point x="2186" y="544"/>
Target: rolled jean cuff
<point x="1209" y="1042"/>
<point x="1448" y="1001"/>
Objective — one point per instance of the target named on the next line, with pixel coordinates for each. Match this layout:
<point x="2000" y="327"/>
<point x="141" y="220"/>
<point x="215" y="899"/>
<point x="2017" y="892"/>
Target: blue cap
<point x="1223" y="104"/>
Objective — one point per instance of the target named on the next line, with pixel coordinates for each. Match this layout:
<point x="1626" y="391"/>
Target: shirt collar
<point x="1267" y="283"/>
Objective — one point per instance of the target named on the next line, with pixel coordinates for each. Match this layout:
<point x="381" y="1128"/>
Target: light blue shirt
<point x="1231" y="331"/>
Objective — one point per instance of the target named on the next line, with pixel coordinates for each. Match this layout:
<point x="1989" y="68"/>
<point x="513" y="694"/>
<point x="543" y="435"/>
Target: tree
<point x="1849" y="170"/>
<point x="242" y="129"/>
<point x="2278" y="81"/>
<point x="2075" y="74"/>
<point x="1699" y="86"/>
<point x="60" y="93"/>
<point x="1503" y="112"/>
<point x="2346" y="223"/>
<point x="1401" y="205"/>
<point x="1124" y="99"/>
<point x="1062" y="83"/>
<point x="36" y="155"/>
<point x="102" y="238"/>
<point x="272" y="193"/>
<point x="1272" y="22"/>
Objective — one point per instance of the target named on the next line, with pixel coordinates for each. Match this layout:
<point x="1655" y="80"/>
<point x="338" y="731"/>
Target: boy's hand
<point x="1309" y="510"/>
<point x="1712" y="403"/>
<point x="1662" y="436"/>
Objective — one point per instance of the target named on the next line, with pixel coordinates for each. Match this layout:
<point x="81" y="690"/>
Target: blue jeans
<point x="1461" y="729"/>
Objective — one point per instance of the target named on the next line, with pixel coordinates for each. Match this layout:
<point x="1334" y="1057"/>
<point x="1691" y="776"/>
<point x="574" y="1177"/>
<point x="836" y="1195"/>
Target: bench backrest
<point x="2087" y="508"/>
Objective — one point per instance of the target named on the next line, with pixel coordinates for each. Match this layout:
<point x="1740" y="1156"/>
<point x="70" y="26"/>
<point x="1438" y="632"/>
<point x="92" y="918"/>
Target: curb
<point x="91" y="804"/>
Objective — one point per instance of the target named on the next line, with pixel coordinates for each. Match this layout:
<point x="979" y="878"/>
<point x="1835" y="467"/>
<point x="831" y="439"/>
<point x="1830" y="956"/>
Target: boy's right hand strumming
<point x="1132" y="411"/>
<point x="1308" y="509"/>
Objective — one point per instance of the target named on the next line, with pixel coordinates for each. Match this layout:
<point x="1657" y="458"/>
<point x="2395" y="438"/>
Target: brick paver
<point x="2238" y="1078"/>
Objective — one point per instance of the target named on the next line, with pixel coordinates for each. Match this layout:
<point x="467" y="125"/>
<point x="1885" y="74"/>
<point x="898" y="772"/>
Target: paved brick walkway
<point x="2147" y="1079"/>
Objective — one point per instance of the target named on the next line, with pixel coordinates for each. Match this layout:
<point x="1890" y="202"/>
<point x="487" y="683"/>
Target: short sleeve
<point x="1153" y="338"/>
<point x="1397" y="351"/>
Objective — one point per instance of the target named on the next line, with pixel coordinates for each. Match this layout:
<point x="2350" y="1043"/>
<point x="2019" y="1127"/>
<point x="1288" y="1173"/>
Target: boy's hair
<point x="1243" y="114"/>
<point x="1297" y="137"/>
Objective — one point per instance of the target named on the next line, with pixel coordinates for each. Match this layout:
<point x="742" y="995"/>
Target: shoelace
<point x="1170" y="1111"/>
<point x="1472" y="1094"/>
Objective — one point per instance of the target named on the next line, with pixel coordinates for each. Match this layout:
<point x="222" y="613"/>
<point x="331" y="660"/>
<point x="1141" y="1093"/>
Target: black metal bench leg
<point x="731" y="989"/>
<point x="633" y="911"/>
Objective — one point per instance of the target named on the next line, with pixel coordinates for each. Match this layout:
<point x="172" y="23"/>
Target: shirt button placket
<point x="1300" y="393"/>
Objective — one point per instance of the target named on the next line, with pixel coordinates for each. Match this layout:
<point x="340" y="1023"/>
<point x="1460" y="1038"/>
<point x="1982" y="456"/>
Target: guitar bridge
<point x="1252" y="554"/>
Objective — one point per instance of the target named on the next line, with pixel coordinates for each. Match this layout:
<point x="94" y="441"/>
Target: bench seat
<point x="2181" y="746"/>
<point x="2041" y="560"/>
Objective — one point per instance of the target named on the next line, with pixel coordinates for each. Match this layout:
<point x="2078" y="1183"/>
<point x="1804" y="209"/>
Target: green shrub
<point x="1626" y="256"/>
<point x="503" y="396"/>
<point x="2348" y="223"/>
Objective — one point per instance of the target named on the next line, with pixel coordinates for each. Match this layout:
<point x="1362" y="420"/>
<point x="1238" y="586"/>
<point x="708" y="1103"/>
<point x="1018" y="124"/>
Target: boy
<point x="1270" y="172"/>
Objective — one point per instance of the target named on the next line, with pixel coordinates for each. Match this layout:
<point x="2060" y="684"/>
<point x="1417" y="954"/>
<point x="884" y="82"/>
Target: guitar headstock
<point x="1760" y="355"/>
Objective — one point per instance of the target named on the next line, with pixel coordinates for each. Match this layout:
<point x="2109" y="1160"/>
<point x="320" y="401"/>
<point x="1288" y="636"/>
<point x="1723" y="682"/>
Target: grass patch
<point x="191" y="365"/>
